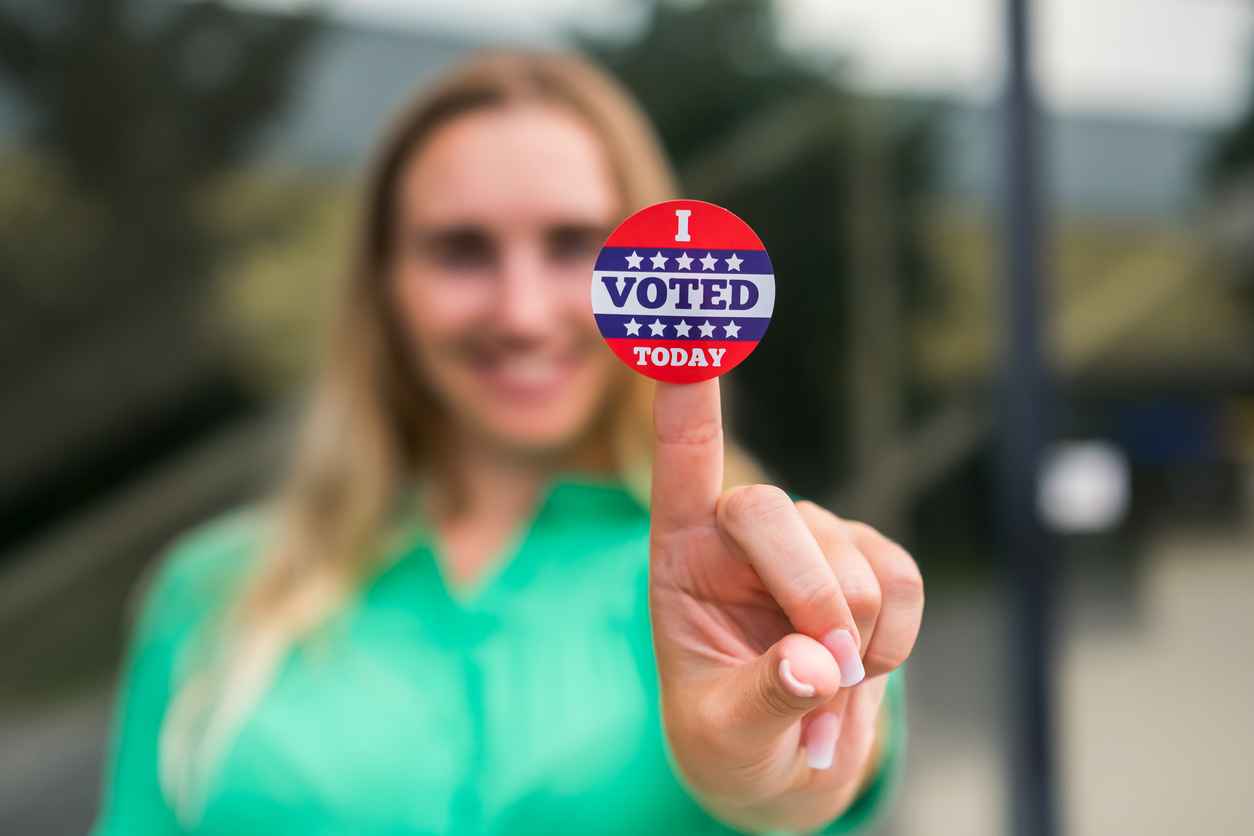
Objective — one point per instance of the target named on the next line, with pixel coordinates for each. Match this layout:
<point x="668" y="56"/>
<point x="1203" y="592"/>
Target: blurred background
<point x="175" y="182"/>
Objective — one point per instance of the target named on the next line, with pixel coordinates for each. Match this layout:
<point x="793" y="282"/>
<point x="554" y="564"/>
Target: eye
<point x="574" y="243"/>
<point x="458" y="249"/>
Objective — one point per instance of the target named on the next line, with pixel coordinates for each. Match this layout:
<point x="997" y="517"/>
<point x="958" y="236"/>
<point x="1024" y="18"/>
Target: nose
<point x="524" y="308"/>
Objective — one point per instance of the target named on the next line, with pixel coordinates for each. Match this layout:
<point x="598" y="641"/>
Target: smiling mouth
<point x="530" y="376"/>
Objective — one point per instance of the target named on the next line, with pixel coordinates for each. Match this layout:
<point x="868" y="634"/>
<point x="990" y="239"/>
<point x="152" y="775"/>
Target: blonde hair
<point x="371" y="423"/>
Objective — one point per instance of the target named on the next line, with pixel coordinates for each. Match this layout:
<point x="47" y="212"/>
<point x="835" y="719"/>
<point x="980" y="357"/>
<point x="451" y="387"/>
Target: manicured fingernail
<point x="820" y="743"/>
<point x="792" y="683"/>
<point x="845" y="650"/>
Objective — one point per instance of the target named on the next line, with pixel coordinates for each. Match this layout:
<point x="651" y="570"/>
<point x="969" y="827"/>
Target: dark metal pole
<point x="1026" y="425"/>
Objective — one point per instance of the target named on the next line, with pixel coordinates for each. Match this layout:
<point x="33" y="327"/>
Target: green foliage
<point x="134" y="109"/>
<point x="135" y="99"/>
<point x="132" y="112"/>
<point x="702" y="68"/>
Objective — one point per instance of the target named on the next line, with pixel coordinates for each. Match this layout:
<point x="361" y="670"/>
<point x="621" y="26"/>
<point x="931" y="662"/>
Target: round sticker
<point x="683" y="291"/>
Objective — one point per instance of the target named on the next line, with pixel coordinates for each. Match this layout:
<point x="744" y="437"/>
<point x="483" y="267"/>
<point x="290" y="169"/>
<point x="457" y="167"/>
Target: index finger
<point x="687" y="454"/>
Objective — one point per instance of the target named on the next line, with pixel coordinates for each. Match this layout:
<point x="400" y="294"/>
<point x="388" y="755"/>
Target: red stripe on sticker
<point x="681" y="361"/>
<point x="705" y="225"/>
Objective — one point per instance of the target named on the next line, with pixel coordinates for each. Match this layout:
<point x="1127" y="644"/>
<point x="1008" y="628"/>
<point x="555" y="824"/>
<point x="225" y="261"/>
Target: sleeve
<point x="186" y="583"/>
<point x="132" y="801"/>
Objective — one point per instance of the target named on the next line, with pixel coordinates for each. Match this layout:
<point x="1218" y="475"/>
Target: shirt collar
<point x="569" y="495"/>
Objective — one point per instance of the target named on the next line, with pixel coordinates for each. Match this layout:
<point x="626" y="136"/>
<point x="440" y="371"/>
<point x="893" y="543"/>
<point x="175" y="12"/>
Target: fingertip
<point x="809" y="663"/>
<point x="792" y="683"/>
<point x="843" y="648"/>
<point x="820" y="740"/>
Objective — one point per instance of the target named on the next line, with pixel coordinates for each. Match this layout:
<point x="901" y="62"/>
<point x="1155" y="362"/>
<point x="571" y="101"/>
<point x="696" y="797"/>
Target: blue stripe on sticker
<point x="697" y="261"/>
<point x="683" y="327"/>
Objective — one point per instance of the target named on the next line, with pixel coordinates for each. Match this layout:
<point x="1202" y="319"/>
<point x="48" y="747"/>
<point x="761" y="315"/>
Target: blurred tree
<point x="132" y="112"/>
<point x="1229" y="174"/>
<point x="1233" y="151"/>
<point x="135" y="108"/>
<point x="774" y="136"/>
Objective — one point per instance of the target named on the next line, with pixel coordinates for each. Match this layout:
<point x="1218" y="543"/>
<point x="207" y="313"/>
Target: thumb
<point x="768" y="696"/>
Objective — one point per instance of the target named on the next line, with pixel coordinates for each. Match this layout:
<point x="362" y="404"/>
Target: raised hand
<point x="774" y="625"/>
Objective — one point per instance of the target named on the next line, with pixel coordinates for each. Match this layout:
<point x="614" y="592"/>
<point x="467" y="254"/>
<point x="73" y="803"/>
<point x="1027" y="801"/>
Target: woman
<point x="460" y="615"/>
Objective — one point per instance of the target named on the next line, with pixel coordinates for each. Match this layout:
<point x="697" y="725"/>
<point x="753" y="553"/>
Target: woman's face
<point x="501" y="214"/>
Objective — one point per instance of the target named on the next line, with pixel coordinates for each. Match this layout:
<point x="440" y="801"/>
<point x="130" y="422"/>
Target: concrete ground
<point x="1156" y="696"/>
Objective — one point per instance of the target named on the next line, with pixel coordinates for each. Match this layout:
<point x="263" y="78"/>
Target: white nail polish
<point x="853" y="673"/>
<point x="844" y="650"/>
<point x="820" y="742"/>
<point x="792" y="683"/>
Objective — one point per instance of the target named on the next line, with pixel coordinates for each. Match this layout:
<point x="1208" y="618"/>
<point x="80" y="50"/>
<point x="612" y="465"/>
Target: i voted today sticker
<point x="683" y="291"/>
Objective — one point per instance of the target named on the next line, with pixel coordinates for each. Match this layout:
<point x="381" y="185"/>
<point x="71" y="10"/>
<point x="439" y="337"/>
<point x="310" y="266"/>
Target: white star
<point x="633" y="327"/>
<point x="733" y="263"/>
<point x="684" y="260"/>
<point x="682" y="328"/>
<point x="659" y="260"/>
<point x="708" y="262"/>
<point x="633" y="260"/>
<point x="706" y="329"/>
<point x="658" y="327"/>
<point x="731" y="329"/>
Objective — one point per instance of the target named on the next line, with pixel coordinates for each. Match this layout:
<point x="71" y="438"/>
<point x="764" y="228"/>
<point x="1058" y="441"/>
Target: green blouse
<point x="526" y="705"/>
